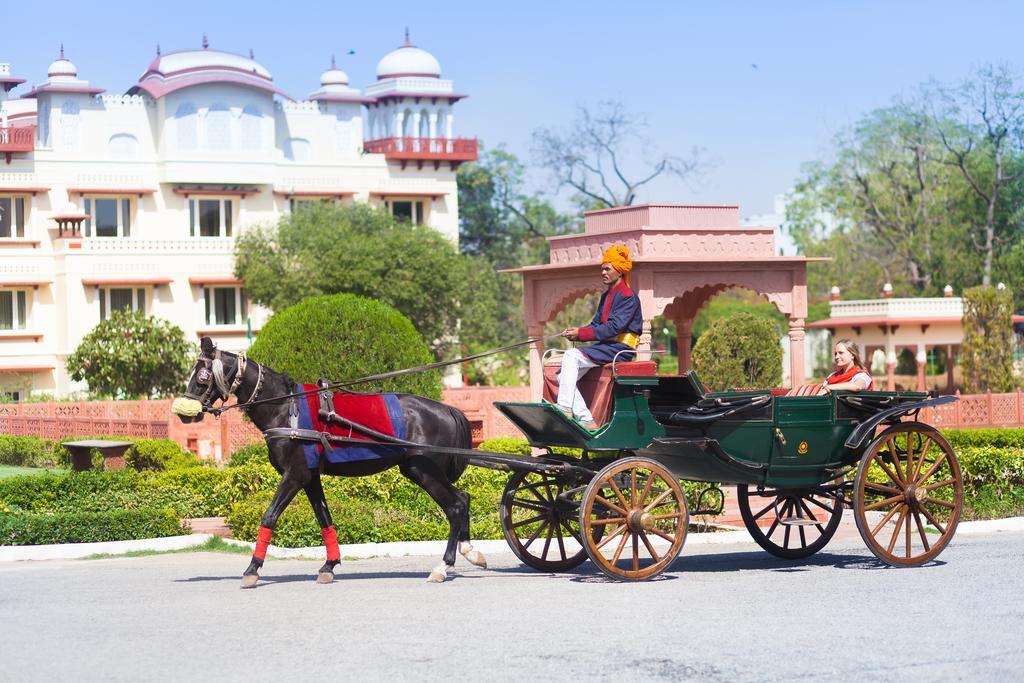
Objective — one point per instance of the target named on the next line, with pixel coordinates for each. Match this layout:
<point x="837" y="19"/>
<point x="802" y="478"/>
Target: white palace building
<point x="135" y="200"/>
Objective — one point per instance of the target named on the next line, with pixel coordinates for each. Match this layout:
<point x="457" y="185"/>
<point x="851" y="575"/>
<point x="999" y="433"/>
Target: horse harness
<point x="214" y="368"/>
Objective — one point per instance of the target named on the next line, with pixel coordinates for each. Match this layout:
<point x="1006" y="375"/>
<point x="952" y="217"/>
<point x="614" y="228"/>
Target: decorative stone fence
<point x="215" y="439"/>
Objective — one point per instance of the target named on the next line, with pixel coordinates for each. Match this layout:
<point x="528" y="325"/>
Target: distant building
<point x="135" y="200"/>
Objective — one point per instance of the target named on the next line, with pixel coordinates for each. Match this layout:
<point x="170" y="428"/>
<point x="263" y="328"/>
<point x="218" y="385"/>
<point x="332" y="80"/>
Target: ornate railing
<point x="17" y="140"/>
<point x="431" y="149"/>
<point x="940" y="307"/>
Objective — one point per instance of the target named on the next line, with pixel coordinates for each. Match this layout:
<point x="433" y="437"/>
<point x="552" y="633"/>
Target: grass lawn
<point x="9" y="471"/>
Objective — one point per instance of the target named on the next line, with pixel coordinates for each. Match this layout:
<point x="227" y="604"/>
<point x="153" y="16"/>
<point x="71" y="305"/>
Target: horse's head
<point x="215" y="376"/>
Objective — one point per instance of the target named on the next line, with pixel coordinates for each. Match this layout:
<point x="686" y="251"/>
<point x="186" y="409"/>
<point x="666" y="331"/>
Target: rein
<point x="362" y="380"/>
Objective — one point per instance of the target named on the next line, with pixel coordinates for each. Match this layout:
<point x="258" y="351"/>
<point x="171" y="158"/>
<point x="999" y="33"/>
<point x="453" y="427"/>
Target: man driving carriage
<point x="615" y="328"/>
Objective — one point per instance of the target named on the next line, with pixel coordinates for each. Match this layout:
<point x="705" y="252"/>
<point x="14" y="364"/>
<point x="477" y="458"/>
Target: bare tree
<point x="591" y="157"/>
<point x="981" y="124"/>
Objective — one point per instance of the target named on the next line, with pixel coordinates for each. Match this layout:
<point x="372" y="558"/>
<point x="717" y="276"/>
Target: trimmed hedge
<point x="343" y="336"/>
<point x="741" y="350"/>
<point x="252" y="452"/>
<point x="87" y="527"/>
<point x="144" y="454"/>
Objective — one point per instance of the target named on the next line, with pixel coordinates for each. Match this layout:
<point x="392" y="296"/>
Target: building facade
<point x="135" y="200"/>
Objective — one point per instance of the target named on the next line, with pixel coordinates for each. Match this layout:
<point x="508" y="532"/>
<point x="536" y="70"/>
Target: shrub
<point x="159" y="454"/>
<point x="25" y="451"/>
<point x="741" y="350"/>
<point x="143" y="454"/>
<point x="254" y="451"/>
<point x="996" y="438"/>
<point x="987" y="351"/>
<point x="341" y="337"/>
<point x="86" y="527"/>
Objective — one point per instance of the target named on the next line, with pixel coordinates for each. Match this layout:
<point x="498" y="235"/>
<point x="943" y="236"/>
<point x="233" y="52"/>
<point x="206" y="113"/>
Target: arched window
<point x="69" y="124"/>
<point x="424" y="131"/>
<point x="218" y="127"/>
<point x="252" y="128"/>
<point x="123" y="146"/>
<point x="442" y="123"/>
<point x="406" y="131"/>
<point x="297" y="150"/>
<point x="186" y="125"/>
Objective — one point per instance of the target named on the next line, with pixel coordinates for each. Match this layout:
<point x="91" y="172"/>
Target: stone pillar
<point x="949" y="368"/>
<point x="449" y="120"/>
<point x="922" y="361"/>
<point x="796" y="351"/>
<point x="684" y="337"/>
<point x="645" y="339"/>
<point x="890" y="367"/>
<point x="432" y="121"/>
<point x="536" y="331"/>
<point x="399" y="120"/>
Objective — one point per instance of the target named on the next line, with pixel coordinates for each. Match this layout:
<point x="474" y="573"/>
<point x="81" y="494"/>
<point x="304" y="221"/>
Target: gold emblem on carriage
<point x="802" y="448"/>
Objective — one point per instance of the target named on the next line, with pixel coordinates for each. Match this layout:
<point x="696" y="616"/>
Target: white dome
<point x="334" y="77"/>
<point x="408" y="61"/>
<point x="62" y="67"/>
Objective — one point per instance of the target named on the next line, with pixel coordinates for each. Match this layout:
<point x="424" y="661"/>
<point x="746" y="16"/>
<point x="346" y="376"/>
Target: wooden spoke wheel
<point x="908" y="494"/>
<point x="797" y="524"/>
<point x="642" y="510"/>
<point x="543" y="530"/>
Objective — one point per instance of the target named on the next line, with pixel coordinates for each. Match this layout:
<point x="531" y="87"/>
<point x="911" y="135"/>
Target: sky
<point x="760" y="87"/>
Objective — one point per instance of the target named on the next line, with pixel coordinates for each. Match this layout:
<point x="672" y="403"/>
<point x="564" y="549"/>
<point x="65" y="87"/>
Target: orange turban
<point x="618" y="256"/>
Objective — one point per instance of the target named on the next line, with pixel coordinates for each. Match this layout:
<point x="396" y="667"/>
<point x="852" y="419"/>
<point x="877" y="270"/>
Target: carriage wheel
<point x="640" y="506"/>
<point x="908" y="494"/>
<point x="542" y="531"/>
<point x="802" y="522"/>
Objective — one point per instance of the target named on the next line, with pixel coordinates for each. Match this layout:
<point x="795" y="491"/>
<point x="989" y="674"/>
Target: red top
<point x="848" y="375"/>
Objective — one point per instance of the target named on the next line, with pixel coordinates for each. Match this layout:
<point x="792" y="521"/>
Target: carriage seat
<point x="813" y="389"/>
<point x="596" y="386"/>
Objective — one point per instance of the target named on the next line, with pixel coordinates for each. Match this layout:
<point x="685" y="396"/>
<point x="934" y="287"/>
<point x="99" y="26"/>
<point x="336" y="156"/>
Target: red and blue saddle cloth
<point x="380" y="412"/>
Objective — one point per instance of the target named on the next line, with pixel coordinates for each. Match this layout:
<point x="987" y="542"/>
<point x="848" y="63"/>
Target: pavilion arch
<point x="682" y="256"/>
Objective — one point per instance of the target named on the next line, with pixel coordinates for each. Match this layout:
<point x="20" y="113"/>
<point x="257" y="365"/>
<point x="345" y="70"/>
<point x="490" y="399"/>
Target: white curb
<point x="76" y="551"/>
<point x="73" y="551"/>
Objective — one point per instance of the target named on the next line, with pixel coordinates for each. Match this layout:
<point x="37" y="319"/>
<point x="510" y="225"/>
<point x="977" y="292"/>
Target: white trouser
<point x="575" y="364"/>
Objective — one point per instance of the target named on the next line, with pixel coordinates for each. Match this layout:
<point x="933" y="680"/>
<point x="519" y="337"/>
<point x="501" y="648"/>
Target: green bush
<point x="159" y="454"/>
<point x="741" y="350"/>
<point x="255" y="451"/>
<point x="342" y="337"/>
<point x="996" y="438"/>
<point x="86" y="527"/>
<point x="25" y="451"/>
<point x="986" y="354"/>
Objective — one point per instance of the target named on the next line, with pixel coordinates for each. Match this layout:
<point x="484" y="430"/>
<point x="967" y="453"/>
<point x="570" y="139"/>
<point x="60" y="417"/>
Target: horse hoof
<point x="249" y="580"/>
<point x="476" y="557"/>
<point x="472" y="555"/>
<point x="438" y="574"/>
<point x="325" y="577"/>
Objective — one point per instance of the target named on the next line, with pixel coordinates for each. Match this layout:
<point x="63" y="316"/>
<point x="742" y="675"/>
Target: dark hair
<point x="854" y="350"/>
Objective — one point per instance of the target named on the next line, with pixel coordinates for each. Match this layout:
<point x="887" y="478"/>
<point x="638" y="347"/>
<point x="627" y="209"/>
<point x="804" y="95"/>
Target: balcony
<point x="22" y="140"/>
<point x="436" y="150"/>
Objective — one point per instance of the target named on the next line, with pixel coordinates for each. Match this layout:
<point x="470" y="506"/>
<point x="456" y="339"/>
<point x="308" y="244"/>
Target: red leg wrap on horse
<point x="262" y="541"/>
<point x="331" y="541"/>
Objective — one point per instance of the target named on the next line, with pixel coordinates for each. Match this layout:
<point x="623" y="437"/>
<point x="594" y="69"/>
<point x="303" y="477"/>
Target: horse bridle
<point x="213" y="369"/>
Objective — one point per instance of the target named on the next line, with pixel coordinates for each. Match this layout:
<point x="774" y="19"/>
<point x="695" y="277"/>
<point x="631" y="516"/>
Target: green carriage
<point x="797" y="462"/>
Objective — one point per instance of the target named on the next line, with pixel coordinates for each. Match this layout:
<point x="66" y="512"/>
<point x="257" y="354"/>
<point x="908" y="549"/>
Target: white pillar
<point x="432" y="122"/>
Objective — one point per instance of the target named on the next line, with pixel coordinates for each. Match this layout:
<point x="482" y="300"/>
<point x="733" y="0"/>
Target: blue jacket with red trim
<point x="618" y="311"/>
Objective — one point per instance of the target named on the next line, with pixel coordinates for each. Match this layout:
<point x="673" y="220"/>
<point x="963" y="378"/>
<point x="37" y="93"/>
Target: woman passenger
<point x="850" y="373"/>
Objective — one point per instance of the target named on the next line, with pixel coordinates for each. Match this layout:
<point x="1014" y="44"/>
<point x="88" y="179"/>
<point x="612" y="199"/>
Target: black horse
<point x="217" y="375"/>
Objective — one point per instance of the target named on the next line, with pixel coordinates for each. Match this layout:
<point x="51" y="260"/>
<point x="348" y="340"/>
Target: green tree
<point x="882" y="208"/>
<point x="981" y="124"/>
<point x="987" y="352"/>
<point x="740" y="350"/>
<point x="358" y="249"/>
<point x="341" y="337"/>
<point x="130" y="355"/>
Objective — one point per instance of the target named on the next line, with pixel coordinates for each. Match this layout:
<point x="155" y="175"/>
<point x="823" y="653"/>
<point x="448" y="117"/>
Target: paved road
<point x="722" y="613"/>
